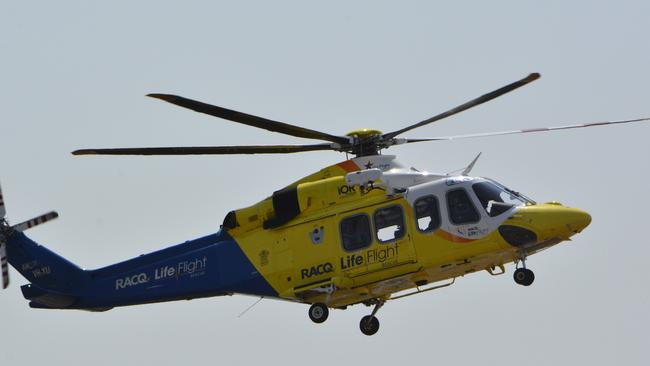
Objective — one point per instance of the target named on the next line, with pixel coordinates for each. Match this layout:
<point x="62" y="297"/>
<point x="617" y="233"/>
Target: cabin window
<point x="389" y="223"/>
<point x="427" y="213"/>
<point x="461" y="208"/>
<point x="355" y="232"/>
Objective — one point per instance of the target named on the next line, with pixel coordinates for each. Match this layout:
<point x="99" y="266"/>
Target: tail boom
<point x="213" y="265"/>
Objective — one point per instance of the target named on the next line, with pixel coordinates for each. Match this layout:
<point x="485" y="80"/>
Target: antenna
<point x="250" y="307"/>
<point x="471" y="165"/>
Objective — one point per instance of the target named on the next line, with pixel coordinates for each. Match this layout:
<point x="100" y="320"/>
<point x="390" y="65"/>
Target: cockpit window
<point x="461" y="208"/>
<point x="519" y="195"/>
<point x="494" y="199"/>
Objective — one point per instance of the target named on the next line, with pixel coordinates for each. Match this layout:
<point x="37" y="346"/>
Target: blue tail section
<point x="209" y="266"/>
<point x="42" y="267"/>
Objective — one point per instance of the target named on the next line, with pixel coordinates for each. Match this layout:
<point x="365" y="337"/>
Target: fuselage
<point x="359" y="230"/>
<point x="349" y="244"/>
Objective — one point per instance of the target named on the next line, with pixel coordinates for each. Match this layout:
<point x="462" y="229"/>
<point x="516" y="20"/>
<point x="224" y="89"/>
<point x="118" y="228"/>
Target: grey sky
<point x="73" y="74"/>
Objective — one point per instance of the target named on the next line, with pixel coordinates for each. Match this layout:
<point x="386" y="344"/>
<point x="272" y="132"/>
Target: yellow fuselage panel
<point x="303" y="257"/>
<point x="317" y="191"/>
<point x="295" y="263"/>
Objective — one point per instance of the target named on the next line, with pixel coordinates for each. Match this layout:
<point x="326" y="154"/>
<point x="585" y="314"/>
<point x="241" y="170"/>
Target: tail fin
<point x="39" y="265"/>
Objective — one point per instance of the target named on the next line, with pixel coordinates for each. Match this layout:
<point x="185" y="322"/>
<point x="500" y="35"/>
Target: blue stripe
<point x="238" y="274"/>
<point x="208" y="266"/>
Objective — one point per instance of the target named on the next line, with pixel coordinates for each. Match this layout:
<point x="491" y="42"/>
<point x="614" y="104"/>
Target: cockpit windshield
<point x="496" y="198"/>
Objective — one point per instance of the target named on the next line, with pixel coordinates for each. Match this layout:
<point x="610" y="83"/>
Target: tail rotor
<point x="6" y="230"/>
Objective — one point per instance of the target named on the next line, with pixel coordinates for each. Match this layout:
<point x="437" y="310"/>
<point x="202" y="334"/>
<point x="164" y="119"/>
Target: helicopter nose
<point x="556" y="220"/>
<point x="577" y="220"/>
<point x="539" y="223"/>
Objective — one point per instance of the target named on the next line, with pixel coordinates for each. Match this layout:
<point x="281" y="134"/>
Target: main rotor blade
<point x="542" y="129"/>
<point x="472" y="103"/>
<point x="248" y="119"/>
<point x="206" y="150"/>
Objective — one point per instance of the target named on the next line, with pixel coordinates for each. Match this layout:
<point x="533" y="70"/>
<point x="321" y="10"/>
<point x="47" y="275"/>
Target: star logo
<point x="369" y="165"/>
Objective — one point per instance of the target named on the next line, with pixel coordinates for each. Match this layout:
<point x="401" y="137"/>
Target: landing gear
<point x="318" y="312"/>
<point x="369" y="324"/>
<point x="523" y="276"/>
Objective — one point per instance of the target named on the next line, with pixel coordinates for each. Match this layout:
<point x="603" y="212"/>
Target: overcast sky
<point x="73" y="74"/>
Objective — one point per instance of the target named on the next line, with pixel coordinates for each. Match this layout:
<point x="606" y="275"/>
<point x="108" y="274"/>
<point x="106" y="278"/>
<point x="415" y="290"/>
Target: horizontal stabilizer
<point x="46" y="298"/>
<point x="36" y="221"/>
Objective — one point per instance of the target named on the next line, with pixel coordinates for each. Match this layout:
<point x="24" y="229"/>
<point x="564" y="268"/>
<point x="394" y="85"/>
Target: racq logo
<point x="316" y="270"/>
<point x="129" y="281"/>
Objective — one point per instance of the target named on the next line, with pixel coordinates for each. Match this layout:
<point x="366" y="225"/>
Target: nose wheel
<point x="318" y="312"/>
<point x="369" y="324"/>
<point x="523" y="276"/>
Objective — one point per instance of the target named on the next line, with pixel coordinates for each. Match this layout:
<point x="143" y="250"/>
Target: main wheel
<point x="524" y="276"/>
<point x="369" y="325"/>
<point x="318" y="312"/>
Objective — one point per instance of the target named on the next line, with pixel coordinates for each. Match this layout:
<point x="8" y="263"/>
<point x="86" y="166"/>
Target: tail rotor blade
<point x="36" y="221"/>
<point x="3" y="211"/>
<point x="4" y="266"/>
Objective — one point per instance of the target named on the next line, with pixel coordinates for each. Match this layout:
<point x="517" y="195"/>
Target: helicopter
<point x="367" y="230"/>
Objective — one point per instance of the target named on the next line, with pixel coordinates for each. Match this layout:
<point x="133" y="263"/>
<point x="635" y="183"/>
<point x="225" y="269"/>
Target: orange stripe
<point x="348" y="166"/>
<point x="452" y="238"/>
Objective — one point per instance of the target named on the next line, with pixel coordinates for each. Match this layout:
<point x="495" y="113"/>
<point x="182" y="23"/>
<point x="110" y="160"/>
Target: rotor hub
<point x="364" y="141"/>
<point x="364" y="133"/>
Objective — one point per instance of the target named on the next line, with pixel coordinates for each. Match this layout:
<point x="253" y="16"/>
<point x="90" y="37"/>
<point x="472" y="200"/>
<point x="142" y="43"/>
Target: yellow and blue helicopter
<point x="363" y="231"/>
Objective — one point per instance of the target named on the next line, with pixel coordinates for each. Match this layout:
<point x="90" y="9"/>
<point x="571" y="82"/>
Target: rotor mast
<point x="364" y="142"/>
